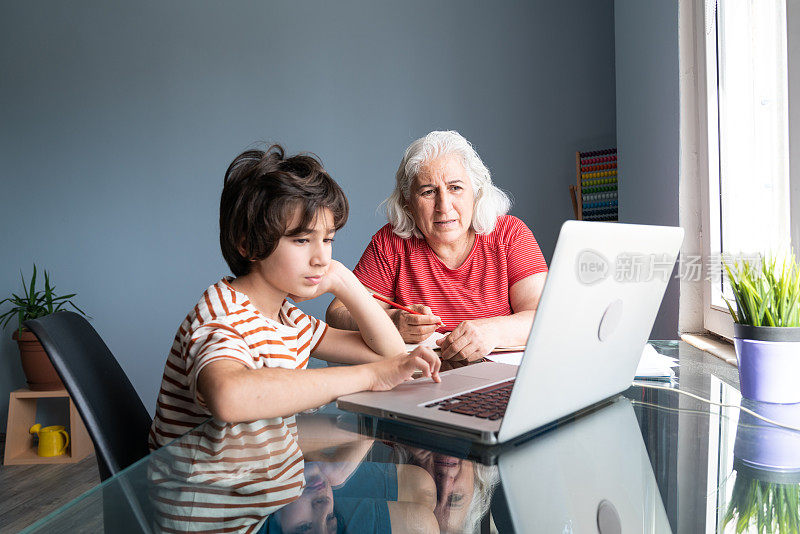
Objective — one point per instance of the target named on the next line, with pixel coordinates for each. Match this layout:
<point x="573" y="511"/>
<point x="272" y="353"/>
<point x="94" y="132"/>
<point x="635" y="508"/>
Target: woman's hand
<point x="470" y="341"/>
<point x="415" y="328"/>
<point x="393" y="371"/>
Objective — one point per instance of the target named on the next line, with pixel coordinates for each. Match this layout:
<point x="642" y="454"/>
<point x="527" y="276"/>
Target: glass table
<point x="649" y="460"/>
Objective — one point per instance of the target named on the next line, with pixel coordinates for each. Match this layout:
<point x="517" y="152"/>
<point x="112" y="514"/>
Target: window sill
<point x="713" y="345"/>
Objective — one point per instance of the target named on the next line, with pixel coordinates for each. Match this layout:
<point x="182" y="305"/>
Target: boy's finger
<point x="424" y="352"/>
<point x="420" y="351"/>
<point x="422" y="365"/>
<point x="435" y="364"/>
<point x="429" y="368"/>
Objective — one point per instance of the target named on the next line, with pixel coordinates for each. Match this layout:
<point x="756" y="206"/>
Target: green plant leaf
<point x="48" y="292"/>
<point x="767" y="294"/>
<point x="7" y="319"/>
<point x="65" y="297"/>
<point x="78" y="309"/>
<point x="33" y="282"/>
<point x="730" y="309"/>
<point x="35" y="303"/>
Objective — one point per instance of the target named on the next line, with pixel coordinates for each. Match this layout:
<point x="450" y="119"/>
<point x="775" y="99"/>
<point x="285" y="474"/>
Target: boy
<point x="240" y="355"/>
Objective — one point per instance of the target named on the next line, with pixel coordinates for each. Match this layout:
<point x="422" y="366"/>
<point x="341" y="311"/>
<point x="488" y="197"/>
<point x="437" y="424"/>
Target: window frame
<point x="716" y="318"/>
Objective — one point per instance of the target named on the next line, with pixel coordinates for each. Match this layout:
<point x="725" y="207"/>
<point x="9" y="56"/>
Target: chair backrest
<point x="112" y="411"/>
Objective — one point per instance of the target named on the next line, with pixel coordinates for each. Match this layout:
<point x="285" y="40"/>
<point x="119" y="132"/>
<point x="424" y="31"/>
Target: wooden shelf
<point x="20" y="446"/>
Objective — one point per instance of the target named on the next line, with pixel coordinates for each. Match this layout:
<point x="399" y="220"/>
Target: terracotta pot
<point x="39" y="372"/>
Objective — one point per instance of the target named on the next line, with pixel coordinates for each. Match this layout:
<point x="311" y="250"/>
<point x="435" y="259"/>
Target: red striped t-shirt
<point x="225" y="325"/>
<point x="409" y="272"/>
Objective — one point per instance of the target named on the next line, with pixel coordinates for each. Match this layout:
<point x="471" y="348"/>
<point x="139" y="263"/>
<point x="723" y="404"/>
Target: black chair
<point x="112" y="411"/>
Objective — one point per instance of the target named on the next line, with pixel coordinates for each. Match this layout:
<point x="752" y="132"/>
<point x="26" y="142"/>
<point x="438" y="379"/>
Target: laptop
<point x="603" y="291"/>
<point x="590" y="475"/>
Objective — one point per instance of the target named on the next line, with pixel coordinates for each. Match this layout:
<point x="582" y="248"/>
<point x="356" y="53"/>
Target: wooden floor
<point x="30" y="492"/>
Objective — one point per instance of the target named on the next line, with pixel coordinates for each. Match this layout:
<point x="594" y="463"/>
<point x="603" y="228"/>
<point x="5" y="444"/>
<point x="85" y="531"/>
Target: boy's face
<point x="313" y="510"/>
<point x="299" y="263"/>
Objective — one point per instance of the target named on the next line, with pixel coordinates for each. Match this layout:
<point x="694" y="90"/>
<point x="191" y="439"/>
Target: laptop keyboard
<point x="487" y="403"/>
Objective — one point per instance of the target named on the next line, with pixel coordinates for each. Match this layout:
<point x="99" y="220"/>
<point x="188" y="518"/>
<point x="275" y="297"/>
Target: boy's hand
<point x="416" y="328"/>
<point x="333" y="280"/>
<point x="393" y="371"/>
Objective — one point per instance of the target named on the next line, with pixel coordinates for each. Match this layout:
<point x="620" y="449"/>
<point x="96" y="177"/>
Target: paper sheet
<point x="655" y="365"/>
<point x="509" y="357"/>
<point x="431" y="343"/>
<point x="651" y="365"/>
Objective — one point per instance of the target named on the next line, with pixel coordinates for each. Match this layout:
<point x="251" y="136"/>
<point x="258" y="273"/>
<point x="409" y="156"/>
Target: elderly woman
<point x="451" y="254"/>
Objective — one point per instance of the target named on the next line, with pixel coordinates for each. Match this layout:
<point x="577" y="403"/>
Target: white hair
<point x="490" y="202"/>
<point x="486" y="479"/>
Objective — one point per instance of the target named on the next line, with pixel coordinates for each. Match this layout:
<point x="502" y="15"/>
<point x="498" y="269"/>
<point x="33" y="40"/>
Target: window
<point x="748" y="202"/>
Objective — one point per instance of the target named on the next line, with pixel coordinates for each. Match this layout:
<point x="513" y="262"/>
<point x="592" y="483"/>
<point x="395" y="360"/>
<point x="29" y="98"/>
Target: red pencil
<point x="399" y="306"/>
<point x="396" y="305"/>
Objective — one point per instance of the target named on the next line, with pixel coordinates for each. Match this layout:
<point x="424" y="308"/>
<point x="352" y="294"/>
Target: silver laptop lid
<point x="603" y="291"/>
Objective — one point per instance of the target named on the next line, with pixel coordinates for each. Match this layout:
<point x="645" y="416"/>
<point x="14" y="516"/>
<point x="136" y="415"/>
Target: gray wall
<point x="647" y="125"/>
<point x="118" y="122"/>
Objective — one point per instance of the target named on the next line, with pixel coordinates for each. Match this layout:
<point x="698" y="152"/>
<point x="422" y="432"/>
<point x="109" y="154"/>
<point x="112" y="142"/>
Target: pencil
<point x="396" y="305"/>
<point x="400" y="306"/>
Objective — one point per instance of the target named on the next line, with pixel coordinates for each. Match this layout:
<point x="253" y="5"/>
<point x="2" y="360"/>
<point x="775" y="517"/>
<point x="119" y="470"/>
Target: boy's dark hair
<point x="260" y="194"/>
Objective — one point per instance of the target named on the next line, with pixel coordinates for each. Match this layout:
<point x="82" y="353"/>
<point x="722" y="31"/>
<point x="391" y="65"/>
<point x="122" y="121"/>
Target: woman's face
<point x="441" y="201"/>
<point x="455" y="486"/>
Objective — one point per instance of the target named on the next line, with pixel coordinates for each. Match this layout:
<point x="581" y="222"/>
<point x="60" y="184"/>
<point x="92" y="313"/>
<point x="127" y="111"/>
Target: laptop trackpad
<point x="450" y="384"/>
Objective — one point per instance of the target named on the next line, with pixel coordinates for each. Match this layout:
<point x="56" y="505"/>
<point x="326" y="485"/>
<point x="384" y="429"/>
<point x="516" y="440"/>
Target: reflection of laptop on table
<point x="592" y="474"/>
<point x="603" y="291"/>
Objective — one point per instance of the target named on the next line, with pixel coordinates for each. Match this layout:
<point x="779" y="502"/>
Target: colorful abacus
<point x="596" y="191"/>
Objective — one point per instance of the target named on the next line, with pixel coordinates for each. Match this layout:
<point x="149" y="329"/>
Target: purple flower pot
<point x="762" y="445"/>
<point x="769" y="363"/>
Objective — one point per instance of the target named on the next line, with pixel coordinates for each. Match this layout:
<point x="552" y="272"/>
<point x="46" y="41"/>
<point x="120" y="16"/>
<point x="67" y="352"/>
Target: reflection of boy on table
<point x="240" y="356"/>
<point x="344" y="493"/>
<point x="229" y="484"/>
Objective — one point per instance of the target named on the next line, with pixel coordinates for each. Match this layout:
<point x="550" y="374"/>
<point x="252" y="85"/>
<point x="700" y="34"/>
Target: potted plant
<point x="35" y="303"/>
<point x="766" y="460"/>
<point x="767" y="327"/>
<point x="761" y="503"/>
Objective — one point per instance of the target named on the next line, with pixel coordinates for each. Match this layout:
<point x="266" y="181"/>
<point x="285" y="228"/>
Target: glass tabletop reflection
<point x="649" y="460"/>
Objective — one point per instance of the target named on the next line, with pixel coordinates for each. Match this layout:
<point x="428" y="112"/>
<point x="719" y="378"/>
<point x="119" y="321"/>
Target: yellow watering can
<point x="53" y="440"/>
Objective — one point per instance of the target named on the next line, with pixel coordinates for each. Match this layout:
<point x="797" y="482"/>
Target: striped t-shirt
<point x="224" y="325"/>
<point x="409" y="272"/>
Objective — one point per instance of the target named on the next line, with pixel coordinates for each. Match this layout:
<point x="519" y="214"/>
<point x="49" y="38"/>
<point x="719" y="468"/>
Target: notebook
<point x="430" y="342"/>
<point x="593" y="320"/>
